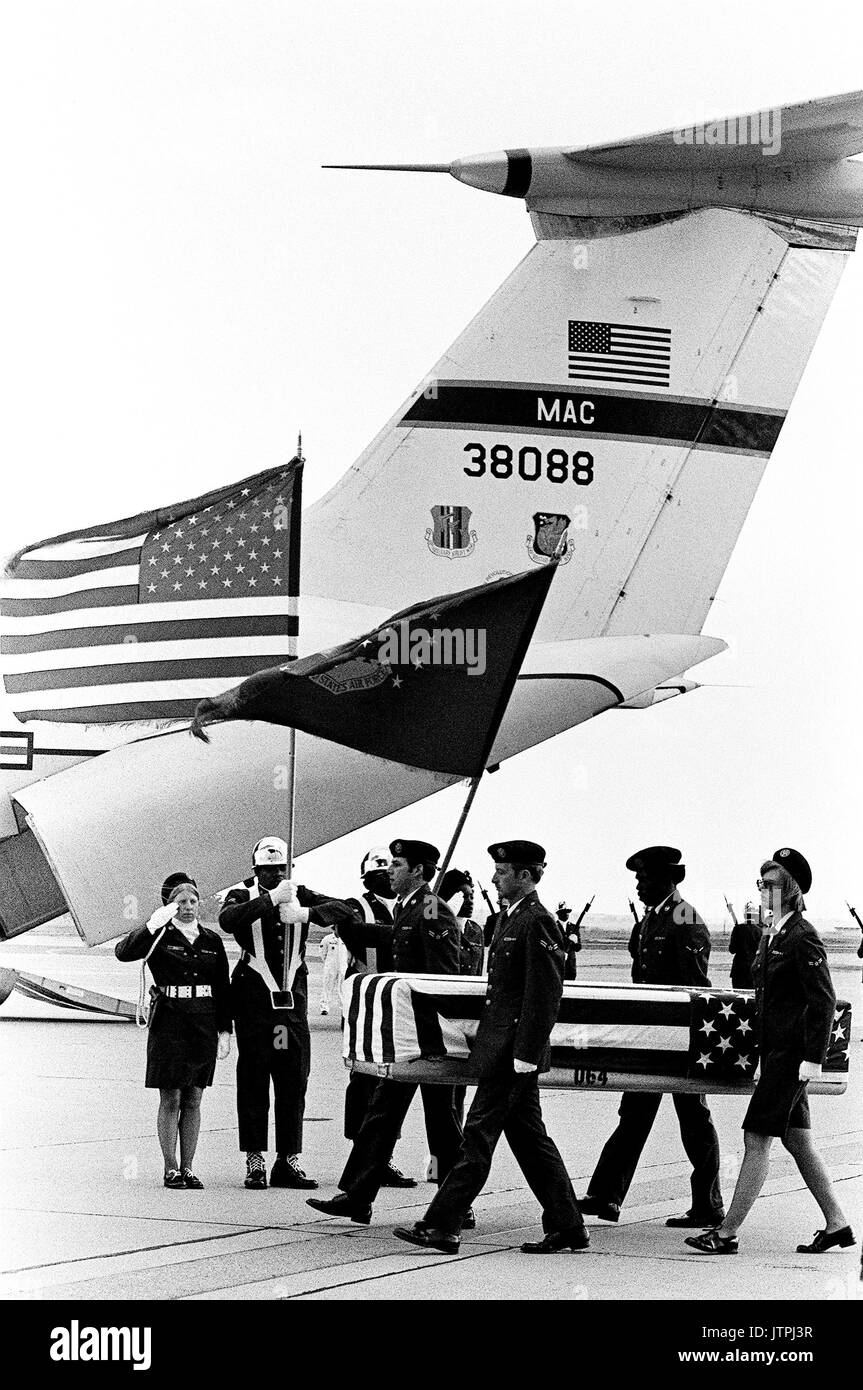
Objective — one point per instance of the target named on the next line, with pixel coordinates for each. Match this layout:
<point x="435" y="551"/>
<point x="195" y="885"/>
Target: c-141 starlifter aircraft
<point x="615" y="402"/>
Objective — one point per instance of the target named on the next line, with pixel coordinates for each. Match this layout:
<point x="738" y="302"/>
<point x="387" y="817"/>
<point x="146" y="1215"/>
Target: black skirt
<point x="181" y="1043"/>
<point x="779" y="1102"/>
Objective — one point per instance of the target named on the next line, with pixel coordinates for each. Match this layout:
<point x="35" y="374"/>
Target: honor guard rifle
<point x="635" y="917"/>
<point x="853" y="912"/>
<point x="730" y="907"/>
<point x="488" y="902"/>
<point x="583" y="914"/>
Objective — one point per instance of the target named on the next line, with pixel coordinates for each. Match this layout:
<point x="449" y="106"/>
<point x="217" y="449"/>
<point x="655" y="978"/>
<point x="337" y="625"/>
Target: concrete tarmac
<point x="84" y="1215"/>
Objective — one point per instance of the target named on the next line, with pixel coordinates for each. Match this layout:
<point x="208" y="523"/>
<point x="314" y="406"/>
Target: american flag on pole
<point x="619" y="352"/>
<point x="140" y="619"/>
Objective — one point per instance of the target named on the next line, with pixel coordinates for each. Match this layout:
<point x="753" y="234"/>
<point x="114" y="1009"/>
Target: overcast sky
<point x="185" y="288"/>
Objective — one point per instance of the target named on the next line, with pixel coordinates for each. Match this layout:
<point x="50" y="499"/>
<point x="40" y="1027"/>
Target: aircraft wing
<point x="829" y="128"/>
<point x="109" y="826"/>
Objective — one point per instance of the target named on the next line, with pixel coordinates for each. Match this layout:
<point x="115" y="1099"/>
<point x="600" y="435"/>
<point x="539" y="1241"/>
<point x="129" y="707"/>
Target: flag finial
<point x="300" y="447"/>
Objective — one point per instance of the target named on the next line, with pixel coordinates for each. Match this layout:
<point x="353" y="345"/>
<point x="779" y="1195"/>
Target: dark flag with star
<point x="722" y="1043"/>
<point x="141" y="618"/>
<point x="428" y="687"/>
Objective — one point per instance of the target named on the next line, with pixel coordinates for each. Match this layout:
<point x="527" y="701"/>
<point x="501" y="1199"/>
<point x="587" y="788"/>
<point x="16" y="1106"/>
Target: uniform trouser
<point x="507" y="1105"/>
<point x="619" y="1159"/>
<point x="373" y="1147"/>
<point x="358" y="1098"/>
<point x="271" y="1047"/>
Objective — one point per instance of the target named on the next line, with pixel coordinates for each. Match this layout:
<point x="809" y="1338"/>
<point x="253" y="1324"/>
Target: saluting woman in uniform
<point x="190" y="1018"/>
<point x="794" y="1009"/>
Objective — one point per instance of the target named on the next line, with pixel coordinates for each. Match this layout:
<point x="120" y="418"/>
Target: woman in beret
<point x="190" y="1018"/>
<point x="794" y="1004"/>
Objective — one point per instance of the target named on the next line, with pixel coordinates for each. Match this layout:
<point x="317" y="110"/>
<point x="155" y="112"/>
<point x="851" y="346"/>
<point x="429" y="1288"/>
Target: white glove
<point x="809" y="1071"/>
<point x="523" y="1068"/>
<point x="284" y="892"/>
<point x="224" y="1046"/>
<point x="161" y="917"/>
<point x="292" y="912"/>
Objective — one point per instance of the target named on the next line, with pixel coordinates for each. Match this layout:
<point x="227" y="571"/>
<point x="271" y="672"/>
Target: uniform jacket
<point x="425" y="936"/>
<point x="370" y="944"/>
<point x="794" y="998"/>
<point x="670" y="946"/>
<point x="743" y="945"/>
<point x="176" y="961"/>
<point x="525" y="985"/>
<point x="240" y="909"/>
<point x="471" y="946"/>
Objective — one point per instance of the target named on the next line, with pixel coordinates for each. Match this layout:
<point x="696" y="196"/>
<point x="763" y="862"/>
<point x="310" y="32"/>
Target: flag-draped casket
<point x="615" y="1037"/>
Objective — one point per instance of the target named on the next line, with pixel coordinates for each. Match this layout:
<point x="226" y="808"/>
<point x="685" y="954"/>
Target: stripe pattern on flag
<point x="142" y="618"/>
<point x="16" y="750"/>
<point x="629" y="1029"/>
<point x="619" y="352"/>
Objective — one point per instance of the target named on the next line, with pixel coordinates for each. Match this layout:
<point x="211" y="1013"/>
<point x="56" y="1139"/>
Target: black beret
<point x="415" y="851"/>
<point x="654" y="859"/>
<point x="517" y="852"/>
<point x="172" y="881"/>
<point x="794" y="864"/>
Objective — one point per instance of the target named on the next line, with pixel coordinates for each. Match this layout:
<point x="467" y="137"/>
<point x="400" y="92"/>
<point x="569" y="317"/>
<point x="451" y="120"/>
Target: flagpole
<point x="292" y="777"/>
<point x="493" y="731"/>
<point x="474" y="788"/>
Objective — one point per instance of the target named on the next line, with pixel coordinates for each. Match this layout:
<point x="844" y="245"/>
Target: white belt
<point x="187" y="991"/>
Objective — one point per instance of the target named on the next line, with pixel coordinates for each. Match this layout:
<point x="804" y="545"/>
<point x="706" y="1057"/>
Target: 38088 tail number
<point x="530" y="464"/>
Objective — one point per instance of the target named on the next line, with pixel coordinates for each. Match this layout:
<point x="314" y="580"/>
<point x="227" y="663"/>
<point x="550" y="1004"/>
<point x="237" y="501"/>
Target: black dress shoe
<point x="286" y="1172"/>
<point x="173" y="1178"/>
<point x="428" y="1238"/>
<point x="469" y="1222"/>
<point x="825" y="1240"/>
<point x="394" y="1177"/>
<point x="712" y="1243"/>
<point x="711" y="1218"/>
<point x="189" y="1179"/>
<point x="554" y="1241"/>
<point x="595" y="1206"/>
<point x="342" y="1205"/>
<point x="256" y="1179"/>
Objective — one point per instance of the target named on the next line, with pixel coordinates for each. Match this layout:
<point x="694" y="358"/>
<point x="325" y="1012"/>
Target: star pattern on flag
<point x="718" y="1026"/>
<point x="840" y="1038"/>
<point x="235" y="549"/>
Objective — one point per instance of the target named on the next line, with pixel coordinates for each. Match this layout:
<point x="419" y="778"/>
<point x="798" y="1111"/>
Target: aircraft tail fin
<point x="617" y="398"/>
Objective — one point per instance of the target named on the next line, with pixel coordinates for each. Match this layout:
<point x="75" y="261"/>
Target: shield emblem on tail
<point x="549" y="538"/>
<point x="451" y="536"/>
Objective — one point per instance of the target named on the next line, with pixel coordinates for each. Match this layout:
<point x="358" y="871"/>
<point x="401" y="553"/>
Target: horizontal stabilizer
<point x="829" y="128"/>
<point x="659" y="694"/>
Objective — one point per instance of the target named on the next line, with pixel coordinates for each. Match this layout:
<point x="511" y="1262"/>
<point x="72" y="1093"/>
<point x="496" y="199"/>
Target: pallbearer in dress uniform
<point x="369" y="941"/>
<point x="190" y="1017"/>
<point x="670" y="946"/>
<point x="426" y="942"/>
<point x="742" y="946"/>
<point x="525" y="985"/>
<point x="794" y="1005"/>
<point x="265" y="913"/>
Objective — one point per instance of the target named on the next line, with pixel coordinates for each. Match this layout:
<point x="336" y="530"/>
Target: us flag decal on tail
<point x="619" y="352"/>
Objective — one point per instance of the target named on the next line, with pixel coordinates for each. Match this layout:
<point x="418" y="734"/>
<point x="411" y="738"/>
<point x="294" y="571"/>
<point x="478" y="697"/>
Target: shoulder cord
<point x="142" y="1011"/>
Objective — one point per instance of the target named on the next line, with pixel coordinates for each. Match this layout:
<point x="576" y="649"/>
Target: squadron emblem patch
<point x="451" y="537"/>
<point x="549" y="538"/>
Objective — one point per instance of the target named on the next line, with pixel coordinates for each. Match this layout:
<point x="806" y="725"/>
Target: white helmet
<point x="270" y="850"/>
<point x="378" y="858"/>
